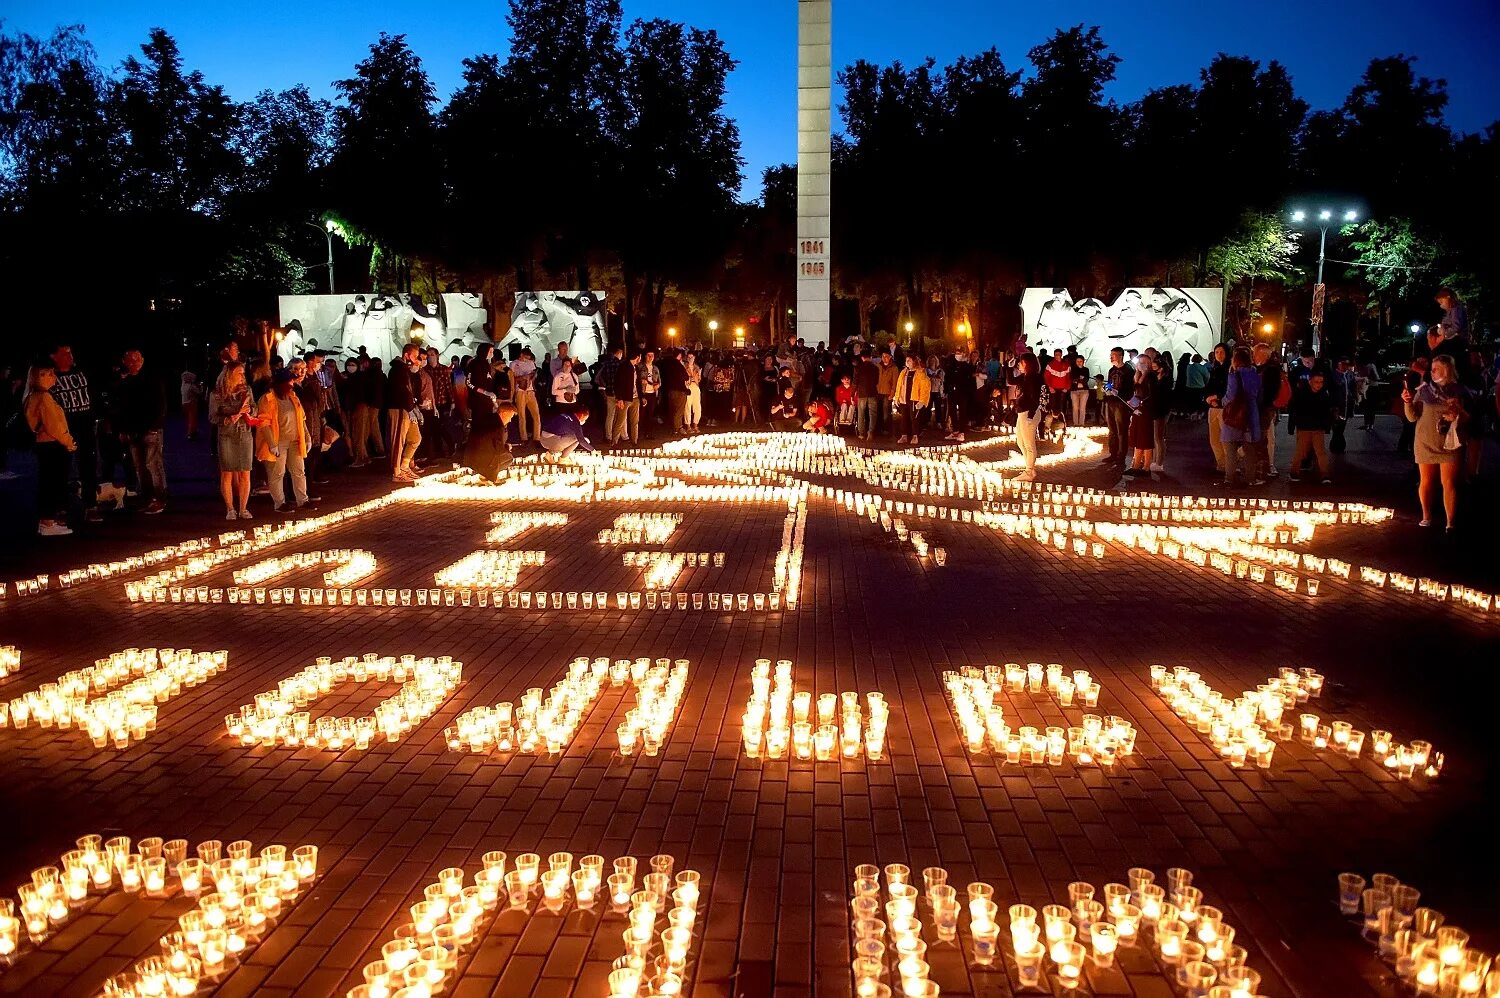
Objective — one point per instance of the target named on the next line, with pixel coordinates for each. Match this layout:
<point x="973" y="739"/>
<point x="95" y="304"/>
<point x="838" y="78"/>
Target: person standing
<point x="1272" y="379"/>
<point x="913" y="391"/>
<point x="1119" y="389"/>
<point x="400" y="415"/>
<point x="1213" y="397"/>
<point x="1242" y="431"/>
<point x="230" y="411"/>
<point x="1162" y="394"/>
<point x="192" y="398"/>
<point x="604" y="377"/>
<point x="1312" y="413"/>
<point x="139" y="413"/>
<point x="314" y="401"/>
<point x="649" y="377"/>
<point x="71" y="392"/>
<point x="370" y="392"/>
<point x="54" y="442"/>
<point x="937" y="378"/>
<point x="866" y="382"/>
<point x="1078" y="390"/>
<point x="962" y="396"/>
<point x="523" y="373"/>
<point x="627" y="395"/>
<point x="885" y="386"/>
<point x="1439" y="409"/>
<point x="674" y="385"/>
<point x="444" y="430"/>
<point x="1058" y="377"/>
<point x="1031" y="405"/>
<point x="1143" y="420"/>
<point x="692" y="412"/>
<point x="281" y="442"/>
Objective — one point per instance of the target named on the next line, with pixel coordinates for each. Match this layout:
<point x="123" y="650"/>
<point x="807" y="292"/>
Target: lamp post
<point x="713" y="332"/>
<point x="1325" y="219"/>
<point x="327" y="229"/>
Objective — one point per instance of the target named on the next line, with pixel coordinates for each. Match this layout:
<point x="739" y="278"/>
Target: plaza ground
<point x="777" y="841"/>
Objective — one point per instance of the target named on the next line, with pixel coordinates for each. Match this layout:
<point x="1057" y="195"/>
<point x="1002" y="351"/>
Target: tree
<point x="178" y="130"/>
<point x="385" y="176"/>
<point x="1261" y="248"/>
<point x="679" y="160"/>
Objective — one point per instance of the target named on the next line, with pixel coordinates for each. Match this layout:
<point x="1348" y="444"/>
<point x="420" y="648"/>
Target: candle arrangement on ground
<point x="510" y="525"/>
<point x="349" y="565"/>
<point x="489" y="569"/>
<point x="976" y="697"/>
<point x="780" y="722"/>
<point x="279" y="716"/>
<point x="1429" y="955"/>
<point x="10" y="661"/>
<point x="641" y="528"/>
<point x="656" y="913"/>
<point x="115" y="700"/>
<point x="239" y="896"/>
<point x="1247" y="729"/>
<point x="1065" y="945"/>
<point x="547" y="724"/>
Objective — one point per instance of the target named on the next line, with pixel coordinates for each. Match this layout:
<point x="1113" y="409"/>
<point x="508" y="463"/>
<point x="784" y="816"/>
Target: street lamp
<point x="1325" y="219"/>
<point x="1268" y="328"/>
<point x="910" y="326"/>
<point x="327" y="229"/>
<point x="1416" y="328"/>
<point x="672" y="332"/>
<point x="713" y="332"/>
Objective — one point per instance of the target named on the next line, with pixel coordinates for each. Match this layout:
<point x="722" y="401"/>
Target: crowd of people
<point x="280" y="429"/>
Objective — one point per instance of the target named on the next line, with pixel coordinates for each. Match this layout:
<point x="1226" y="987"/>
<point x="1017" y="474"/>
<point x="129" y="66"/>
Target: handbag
<point x="1237" y="413"/>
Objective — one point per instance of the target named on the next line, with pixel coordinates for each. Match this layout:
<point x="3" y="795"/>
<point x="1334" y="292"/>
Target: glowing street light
<point x="1268" y="328"/>
<point x="672" y="331"/>
<point x="328" y="228"/>
<point x="713" y="332"/>
<point x="910" y="326"/>
<point x="1415" y="327"/>
<point x="1325" y="218"/>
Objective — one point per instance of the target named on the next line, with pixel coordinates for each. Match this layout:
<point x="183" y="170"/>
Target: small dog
<point x="1053" y="427"/>
<point x="108" y="492"/>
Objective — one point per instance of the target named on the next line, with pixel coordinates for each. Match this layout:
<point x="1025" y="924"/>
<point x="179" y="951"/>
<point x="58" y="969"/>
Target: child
<point x="847" y="400"/>
<point x="819" y="415"/>
<point x="1312" y="415"/>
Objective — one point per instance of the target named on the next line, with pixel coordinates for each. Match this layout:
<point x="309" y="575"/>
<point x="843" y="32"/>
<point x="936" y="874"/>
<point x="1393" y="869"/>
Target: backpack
<point x="1283" y="391"/>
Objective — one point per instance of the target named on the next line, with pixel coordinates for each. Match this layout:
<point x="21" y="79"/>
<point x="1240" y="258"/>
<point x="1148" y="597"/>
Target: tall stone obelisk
<point x="814" y="167"/>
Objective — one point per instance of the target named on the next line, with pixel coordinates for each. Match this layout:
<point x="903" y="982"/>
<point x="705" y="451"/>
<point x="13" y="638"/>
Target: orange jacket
<point x="268" y="433"/>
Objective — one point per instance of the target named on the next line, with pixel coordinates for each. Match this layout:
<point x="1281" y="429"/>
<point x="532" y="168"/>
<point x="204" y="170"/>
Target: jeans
<point x="609" y="418"/>
<point x="676" y="411"/>
<point x="405" y="437"/>
<point x="1216" y="440"/>
<point x="276" y="477"/>
<point x="87" y="457"/>
<point x="1026" y="426"/>
<point x="627" y="421"/>
<point x="1117" y="417"/>
<point x="867" y="415"/>
<point x="906" y="419"/>
<point x="1080" y="399"/>
<point x="1268" y="419"/>
<point x="145" y="457"/>
<point x="648" y="412"/>
<point x="526" y="405"/>
<point x="558" y="446"/>
<point x="51" y="480"/>
<point x="1311" y="442"/>
<point x="1159" y="440"/>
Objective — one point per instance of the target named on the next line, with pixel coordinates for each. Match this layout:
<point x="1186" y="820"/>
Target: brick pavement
<point x="776" y="841"/>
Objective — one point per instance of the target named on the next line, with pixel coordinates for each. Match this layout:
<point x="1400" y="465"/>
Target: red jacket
<point x="845" y="396"/>
<point x="1058" y="376"/>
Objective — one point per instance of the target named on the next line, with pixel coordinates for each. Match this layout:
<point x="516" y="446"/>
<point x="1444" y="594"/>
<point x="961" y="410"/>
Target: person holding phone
<point x="1439" y="410"/>
<point x="230" y="411"/>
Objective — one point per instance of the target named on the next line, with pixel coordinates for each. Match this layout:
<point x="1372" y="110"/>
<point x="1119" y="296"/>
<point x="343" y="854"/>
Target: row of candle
<point x="782" y="722"/>
<point x="786" y="574"/>
<point x="239" y="895"/>
<point x="523" y="599"/>
<point x="510" y="524"/>
<point x="660" y="910"/>
<point x="10" y="660"/>
<point x="641" y="528"/>
<point x="661" y="568"/>
<point x="1429" y="955"/>
<point x="973" y="694"/>
<point x="278" y="716"/>
<point x="114" y="700"/>
<point x="538" y="724"/>
<point x="349" y="566"/>
<point x="1244" y="729"/>
<point x="489" y="569"/>
<point x="107" y="569"/>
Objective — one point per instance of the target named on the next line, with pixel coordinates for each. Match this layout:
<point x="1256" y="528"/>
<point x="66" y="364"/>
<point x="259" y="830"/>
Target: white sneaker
<point x="245" y="514"/>
<point x="53" y="529"/>
<point x="231" y="515"/>
<point x="1156" y="466"/>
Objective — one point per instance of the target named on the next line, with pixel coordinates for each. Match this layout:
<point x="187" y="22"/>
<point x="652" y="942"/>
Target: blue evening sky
<point x="250" y="46"/>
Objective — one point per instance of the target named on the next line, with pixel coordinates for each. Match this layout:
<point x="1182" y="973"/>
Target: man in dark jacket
<point x="866" y="391"/>
<point x="1213" y="397"/>
<point x="315" y="401"/>
<point x="400" y="420"/>
<point x="1272" y="374"/>
<point x="674" y="384"/>
<point x="1312" y="413"/>
<point x="138" y="410"/>
<point x="627" y="396"/>
<point x="1119" y="389"/>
